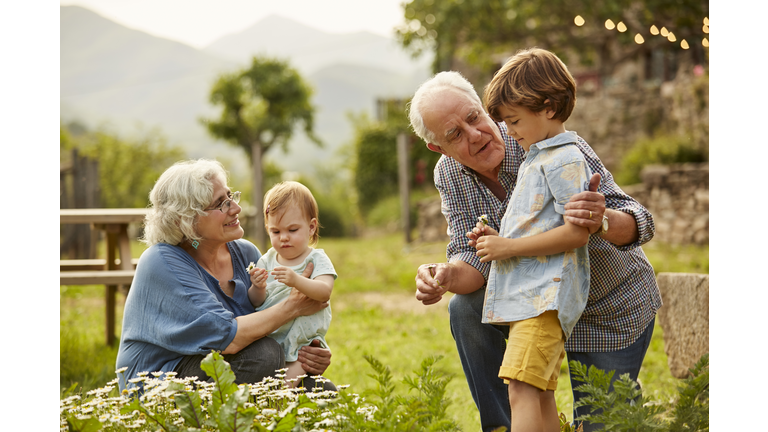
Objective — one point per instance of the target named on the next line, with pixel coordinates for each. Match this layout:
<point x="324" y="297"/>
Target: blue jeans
<point x="481" y="350"/>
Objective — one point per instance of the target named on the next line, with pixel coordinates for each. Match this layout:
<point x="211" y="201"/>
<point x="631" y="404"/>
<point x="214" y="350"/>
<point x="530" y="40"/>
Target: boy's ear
<point x="549" y="110"/>
<point x="436" y="148"/>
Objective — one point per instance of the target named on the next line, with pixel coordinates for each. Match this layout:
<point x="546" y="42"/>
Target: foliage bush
<point x="626" y="409"/>
<point x="661" y="149"/>
<point x="375" y="154"/>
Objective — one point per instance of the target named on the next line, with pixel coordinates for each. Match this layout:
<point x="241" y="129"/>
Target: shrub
<point x="626" y="409"/>
<point x="661" y="149"/>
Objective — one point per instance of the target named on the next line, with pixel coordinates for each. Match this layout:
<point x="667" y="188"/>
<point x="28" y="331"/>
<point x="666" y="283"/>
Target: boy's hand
<point x="493" y="248"/>
<point x="285" y="275"/>
<point x="259" y="277"/>
<point x="478" y="231"/>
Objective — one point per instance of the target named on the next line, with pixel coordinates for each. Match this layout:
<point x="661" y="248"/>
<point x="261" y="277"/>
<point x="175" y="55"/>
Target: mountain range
<point x="127" y="78"/>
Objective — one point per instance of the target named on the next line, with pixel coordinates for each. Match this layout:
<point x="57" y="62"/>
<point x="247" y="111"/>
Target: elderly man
<point x="476" y="175"/>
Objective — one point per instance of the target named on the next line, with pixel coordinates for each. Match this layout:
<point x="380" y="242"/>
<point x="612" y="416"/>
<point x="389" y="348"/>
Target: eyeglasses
<point x="227" y="203"/>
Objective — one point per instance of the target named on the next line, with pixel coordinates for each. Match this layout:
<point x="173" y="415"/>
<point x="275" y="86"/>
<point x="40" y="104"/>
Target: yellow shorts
<point x="535" y="351"/>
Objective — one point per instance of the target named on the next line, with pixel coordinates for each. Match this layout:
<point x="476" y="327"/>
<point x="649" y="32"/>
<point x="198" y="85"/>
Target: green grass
<point x="374" y="312"/>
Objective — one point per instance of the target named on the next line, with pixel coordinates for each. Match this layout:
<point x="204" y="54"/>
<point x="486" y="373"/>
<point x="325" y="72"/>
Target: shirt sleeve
<point x="457" y="208"/>
<point x="323" y="264"/>
<point x="569" y="176"/>
<point x="173" y="306"/>
<point x="616" y="199"/>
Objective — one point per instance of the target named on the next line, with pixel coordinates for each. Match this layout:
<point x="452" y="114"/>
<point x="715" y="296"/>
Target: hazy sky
<point x="200" y="22"/>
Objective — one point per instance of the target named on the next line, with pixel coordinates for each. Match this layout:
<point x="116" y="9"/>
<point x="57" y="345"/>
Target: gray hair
<point x="428" y="92"/>
<point x="178" y="198"/>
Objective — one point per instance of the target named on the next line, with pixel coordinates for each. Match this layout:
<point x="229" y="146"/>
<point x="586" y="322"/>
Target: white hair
<point x="428" y="92"/>
<point x="178" y="198"/>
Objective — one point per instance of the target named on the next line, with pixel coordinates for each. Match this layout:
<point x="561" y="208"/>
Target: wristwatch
<point x="604" y="227"/>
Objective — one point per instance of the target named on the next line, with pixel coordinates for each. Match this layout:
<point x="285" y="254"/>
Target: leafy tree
<point x="128" y="168"/>
<point x="261" y="106"/>
<point x="479" y="32"/>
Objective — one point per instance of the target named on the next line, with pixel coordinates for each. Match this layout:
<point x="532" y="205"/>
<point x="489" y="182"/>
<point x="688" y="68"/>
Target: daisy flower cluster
<point x="161" y="401"/>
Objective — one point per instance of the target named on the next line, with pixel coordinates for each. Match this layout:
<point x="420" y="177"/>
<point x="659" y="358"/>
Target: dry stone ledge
<point x="684" y="317"/>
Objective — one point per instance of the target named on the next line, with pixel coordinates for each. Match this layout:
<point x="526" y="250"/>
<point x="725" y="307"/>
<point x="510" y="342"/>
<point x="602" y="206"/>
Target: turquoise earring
<point x="195" y="244"/>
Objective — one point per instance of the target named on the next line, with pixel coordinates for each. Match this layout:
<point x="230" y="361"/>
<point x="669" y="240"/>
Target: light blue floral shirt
<point x="524" y="287"/>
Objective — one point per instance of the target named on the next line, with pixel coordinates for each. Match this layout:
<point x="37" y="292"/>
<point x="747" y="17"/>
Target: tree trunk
<point x="257" y="230"/>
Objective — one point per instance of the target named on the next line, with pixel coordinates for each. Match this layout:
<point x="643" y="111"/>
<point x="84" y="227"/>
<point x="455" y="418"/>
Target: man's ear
<point x="436" y="148"/>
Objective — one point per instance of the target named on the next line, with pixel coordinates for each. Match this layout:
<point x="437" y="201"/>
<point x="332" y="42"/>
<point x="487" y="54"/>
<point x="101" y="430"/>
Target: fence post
<point x="404" y="177"/>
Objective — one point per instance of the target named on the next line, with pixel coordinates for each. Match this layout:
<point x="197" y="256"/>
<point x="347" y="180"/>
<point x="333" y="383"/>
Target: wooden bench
<point x="117" y="269"/>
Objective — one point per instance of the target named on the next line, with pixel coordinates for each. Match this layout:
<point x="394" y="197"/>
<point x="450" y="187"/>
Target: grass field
<point x="374" y="313"/>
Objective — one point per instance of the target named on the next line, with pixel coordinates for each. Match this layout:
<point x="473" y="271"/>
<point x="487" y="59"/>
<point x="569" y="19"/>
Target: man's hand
<point x="431" y="282"/>
<point x="586" y="209"/>
<point x="314" y="360"/>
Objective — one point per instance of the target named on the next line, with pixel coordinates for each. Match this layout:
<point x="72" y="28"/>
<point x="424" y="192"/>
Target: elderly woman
<point x="189" y="295"/>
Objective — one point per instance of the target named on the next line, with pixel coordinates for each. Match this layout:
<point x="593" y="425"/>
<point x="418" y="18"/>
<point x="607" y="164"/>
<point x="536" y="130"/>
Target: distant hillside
<point x="310" y="50"/>
<point x="110" y="73"/>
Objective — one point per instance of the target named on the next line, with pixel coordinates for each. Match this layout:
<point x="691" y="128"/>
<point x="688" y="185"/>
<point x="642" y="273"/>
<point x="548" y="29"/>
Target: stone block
<point x="684" y="317"/>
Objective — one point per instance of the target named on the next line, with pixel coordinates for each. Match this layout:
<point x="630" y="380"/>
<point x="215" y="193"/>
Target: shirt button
<point x="556" y="279"/>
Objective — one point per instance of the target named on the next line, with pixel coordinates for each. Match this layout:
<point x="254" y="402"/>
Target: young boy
<point x="539" y="278"/>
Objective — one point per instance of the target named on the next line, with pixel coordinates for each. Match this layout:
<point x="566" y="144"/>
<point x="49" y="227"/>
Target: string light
<point x="639" y="39"/>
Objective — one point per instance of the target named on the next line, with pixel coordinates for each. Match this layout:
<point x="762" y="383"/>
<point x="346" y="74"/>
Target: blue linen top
<point x="523" y="287"/>
<point x="176" y="308"/>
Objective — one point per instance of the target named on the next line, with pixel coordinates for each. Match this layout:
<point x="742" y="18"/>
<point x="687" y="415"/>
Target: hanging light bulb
<point x="671" y="37"/>
<point x="706" y="21"/>
<point x="621" y="27"/>
<point x="579" y="21"/>
<point x="664" y="32"/>
<point x="639" y="39"/>
<point x="609" y="24"/>
<point x="705" y="42"/>
<point x="654" y="30"/>
<point x="705" y="28"/>
<point x="684" y="44"/>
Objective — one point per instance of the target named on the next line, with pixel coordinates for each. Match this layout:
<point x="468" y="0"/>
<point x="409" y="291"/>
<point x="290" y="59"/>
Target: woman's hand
<point x="314" y="360"/>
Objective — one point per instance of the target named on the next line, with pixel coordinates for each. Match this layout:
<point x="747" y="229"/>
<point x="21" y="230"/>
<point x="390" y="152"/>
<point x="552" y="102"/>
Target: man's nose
<point x="474" y="135"/>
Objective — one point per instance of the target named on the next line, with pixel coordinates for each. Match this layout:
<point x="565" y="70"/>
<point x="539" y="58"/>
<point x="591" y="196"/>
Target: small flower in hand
<point x="250" y="267"/>
<point x="483" y="219"/>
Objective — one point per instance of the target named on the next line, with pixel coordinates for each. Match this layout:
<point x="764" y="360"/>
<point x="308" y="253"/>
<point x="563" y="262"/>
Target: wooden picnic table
<point x="112" y="272"/>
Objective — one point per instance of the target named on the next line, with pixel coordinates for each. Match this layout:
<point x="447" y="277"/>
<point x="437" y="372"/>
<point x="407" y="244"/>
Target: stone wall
<point x="676" y="195"/>
<point x="678" y="198"/>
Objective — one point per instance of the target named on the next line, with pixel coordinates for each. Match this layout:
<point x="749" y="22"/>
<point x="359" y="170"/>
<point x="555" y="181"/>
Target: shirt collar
<point x="567" y="137"/>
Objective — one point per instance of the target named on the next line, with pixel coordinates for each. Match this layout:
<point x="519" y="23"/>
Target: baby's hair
<point x="287" y="193"/>
<point x="535" y="79"/>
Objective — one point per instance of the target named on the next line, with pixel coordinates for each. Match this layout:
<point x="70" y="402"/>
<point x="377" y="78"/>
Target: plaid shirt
<point x="623" y="295"/>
